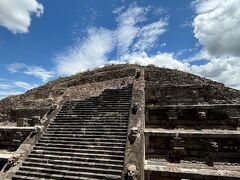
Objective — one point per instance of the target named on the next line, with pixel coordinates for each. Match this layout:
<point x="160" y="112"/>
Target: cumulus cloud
<point x="87" y="54"/>
<point x="222" y="70"/>
<point x="217" y="26"/>
<point x="15" y="15"/>
<point x="166" y="60"/>
<point x="36" y="71"/>
<point x="127" y="26"/>
<point x="133" y="35"/>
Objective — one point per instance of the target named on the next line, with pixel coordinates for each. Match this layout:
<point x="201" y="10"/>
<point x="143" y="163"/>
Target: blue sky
<point x="42" y="40"/>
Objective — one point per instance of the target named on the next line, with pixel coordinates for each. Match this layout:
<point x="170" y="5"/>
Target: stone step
<point x="83" y="125"/>
<point x="94" y="103"/>
<point x="95" y="109"/>
<point x="80" y="125"/>
<point x="93" y="116"/>
<point x="102" y="117"/>
<point x="84" y="105"/>
<point x="109" y="136"/>
<point x="64" y="175"/>
<point x="90" y="120"/>
<point x="83" y="132"/>
<point x="83" y="139"/>
<point x="23" y="177"/>
<point x="93" y="120"/>
<point x="80" y="159"/>
<point x="113" y="148"/>
<point x="35" y="177"/>
<point x="99" y="143"/>
<point x="99" y="164"/>
<point x="73" y="128"/>
<point x="97" y="112"/>
<point x="79" y="154"/>
<point x="72" y="168"/>
<point x="73" y="117"/>
<point x="89" y="123"/>
<point x="78" y="150"/>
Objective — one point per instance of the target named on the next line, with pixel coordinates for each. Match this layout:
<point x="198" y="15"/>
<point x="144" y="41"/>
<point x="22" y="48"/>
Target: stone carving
<point x="132" y="172"/>
<point x="37" y="129"/>
<point x="135" y="108"/>
<point x="202" y="115"/>
<point x="133" y="134"/>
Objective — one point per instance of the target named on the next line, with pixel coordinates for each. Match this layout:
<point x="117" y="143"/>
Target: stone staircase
<point x="86" y="140"/>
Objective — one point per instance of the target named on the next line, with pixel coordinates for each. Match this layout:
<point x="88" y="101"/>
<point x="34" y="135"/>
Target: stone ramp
<point x="86" y="140"/>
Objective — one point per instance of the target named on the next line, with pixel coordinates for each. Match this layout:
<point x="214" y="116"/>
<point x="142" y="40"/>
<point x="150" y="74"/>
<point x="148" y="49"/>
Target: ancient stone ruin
<point x="122" y="122"/>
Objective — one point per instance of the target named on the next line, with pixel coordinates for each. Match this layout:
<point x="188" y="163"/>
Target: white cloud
<point x="15" y="15"/>
<point x="4" y="94"/>
<point x="160" y="60"/>
<point x="149" y="34"/>
<point x="15" y="67"/>
<point x="88" y="54"/>
<point x="36" y="71"/>
<point x="223" y="70"/>
<point x="9" y="87"/>
<point x="217" y="26"/>
<point x="133" y="35"/>
<point x="127" y="26"/>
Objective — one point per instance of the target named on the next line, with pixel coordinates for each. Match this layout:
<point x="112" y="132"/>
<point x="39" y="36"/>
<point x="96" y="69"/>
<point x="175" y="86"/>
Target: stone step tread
<point x="85" y="135"/>
<point x="99" y="143"/>
<point x="26" y="177"/>
<point x="78" y="125"/>
<point x="91" y="122"/>
<point x="74" y="110"/>
<point x="92" y="118"/>
<point x="70" y="168"/>
<point x="81" y="146"/>
<point x="101" y="163"/>
<point x="102" y="155"/>
<point x="76" y="158"/>
<point x="70" y="139"/>
<point x="86" y="117"/>
<point x="79" y="150"/>
<point x="95" y="122"/>
<point x="32" y="177"/>
<point x="78" y="108"/>
<point x="49" y="170"/>
<point x="73" y="128"/>
<point x="78" y="132"/>
<point x="81" y="176"/>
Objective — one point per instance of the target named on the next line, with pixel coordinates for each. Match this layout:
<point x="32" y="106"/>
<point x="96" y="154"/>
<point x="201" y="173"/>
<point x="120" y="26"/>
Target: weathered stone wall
<point x="211" y="91"/>
<point x="13" y="137"/>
